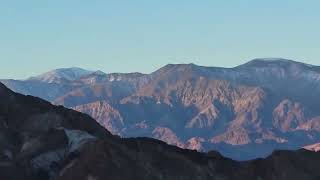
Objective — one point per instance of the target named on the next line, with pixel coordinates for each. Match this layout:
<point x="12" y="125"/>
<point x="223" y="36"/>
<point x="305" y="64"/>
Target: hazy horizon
<point x="142" y="36"/>
<point x="268" y="59"/>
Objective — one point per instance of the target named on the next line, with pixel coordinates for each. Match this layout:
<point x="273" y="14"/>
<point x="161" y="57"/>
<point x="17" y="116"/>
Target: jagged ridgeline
<point x="40" y="141"/>
<point x="244" y="112"/>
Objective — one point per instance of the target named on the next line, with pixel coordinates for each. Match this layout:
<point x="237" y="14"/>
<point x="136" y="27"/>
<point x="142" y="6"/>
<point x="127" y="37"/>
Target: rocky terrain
<point x="244" y="112"/>
<point x="40" y="141"/>
<point x="313" y="147"/>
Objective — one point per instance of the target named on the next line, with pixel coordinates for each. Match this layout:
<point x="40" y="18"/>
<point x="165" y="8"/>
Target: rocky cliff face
<point x="265" y="103"/>
<point x="105" y="114"/>
<point x="39" y="141"/>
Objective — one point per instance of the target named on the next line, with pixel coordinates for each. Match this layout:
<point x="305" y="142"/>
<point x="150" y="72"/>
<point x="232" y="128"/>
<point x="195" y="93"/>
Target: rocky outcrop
<point x="165" y="134"/>
<point x="313" y="147"/>
<point x="36" y="136"/>
<point x="104" y="114"/>
<point x="233" y="137"/>
<point x="288" y="115"/>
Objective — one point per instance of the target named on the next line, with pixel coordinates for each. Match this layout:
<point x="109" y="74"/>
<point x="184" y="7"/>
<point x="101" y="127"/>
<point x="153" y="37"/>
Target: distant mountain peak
<point x="62" y="74"/>
<point x="169" y="68"/>
<point x="180" y="65"/>
<point x="272" y="59"/>
<point x="99" y="73"/>
<point x="266" y="62"/>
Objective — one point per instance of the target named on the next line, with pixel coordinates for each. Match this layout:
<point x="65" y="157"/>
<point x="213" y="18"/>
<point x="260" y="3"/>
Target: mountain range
<point x="40" y="141"/>
<point x="243" y="112"/>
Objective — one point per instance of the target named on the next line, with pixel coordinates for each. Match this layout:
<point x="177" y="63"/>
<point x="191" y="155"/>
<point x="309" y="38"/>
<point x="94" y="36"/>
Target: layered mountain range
<point x="40" y="141"/>
<point x="244" y="112"/>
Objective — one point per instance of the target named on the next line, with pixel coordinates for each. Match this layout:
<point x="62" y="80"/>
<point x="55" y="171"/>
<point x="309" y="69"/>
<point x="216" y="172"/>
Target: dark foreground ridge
<point x="39" y="141"/>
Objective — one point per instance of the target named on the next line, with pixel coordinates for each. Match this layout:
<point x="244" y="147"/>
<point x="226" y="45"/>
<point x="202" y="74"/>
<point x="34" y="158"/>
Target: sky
<point x="143" y="35"/>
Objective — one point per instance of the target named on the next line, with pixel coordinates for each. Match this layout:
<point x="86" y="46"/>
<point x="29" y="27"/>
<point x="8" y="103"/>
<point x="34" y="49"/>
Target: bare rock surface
<point x="75" y="146"/>
<point x="265" y="103"/>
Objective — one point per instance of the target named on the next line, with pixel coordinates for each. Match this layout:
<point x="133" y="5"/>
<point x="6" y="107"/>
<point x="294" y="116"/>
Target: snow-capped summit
<point x="61" y="75"/>
<point x="245" y="112"/>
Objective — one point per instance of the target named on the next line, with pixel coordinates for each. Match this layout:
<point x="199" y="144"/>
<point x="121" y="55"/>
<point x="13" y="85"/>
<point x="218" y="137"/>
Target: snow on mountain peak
<point x="63" y="74"/>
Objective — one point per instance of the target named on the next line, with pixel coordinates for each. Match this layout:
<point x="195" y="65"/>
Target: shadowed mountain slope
<point x="39" y="141"/>
<point x="266" y="103"/>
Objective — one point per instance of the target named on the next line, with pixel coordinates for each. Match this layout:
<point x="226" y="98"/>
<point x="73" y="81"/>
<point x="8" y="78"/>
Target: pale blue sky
<point x="143" y="35"/>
